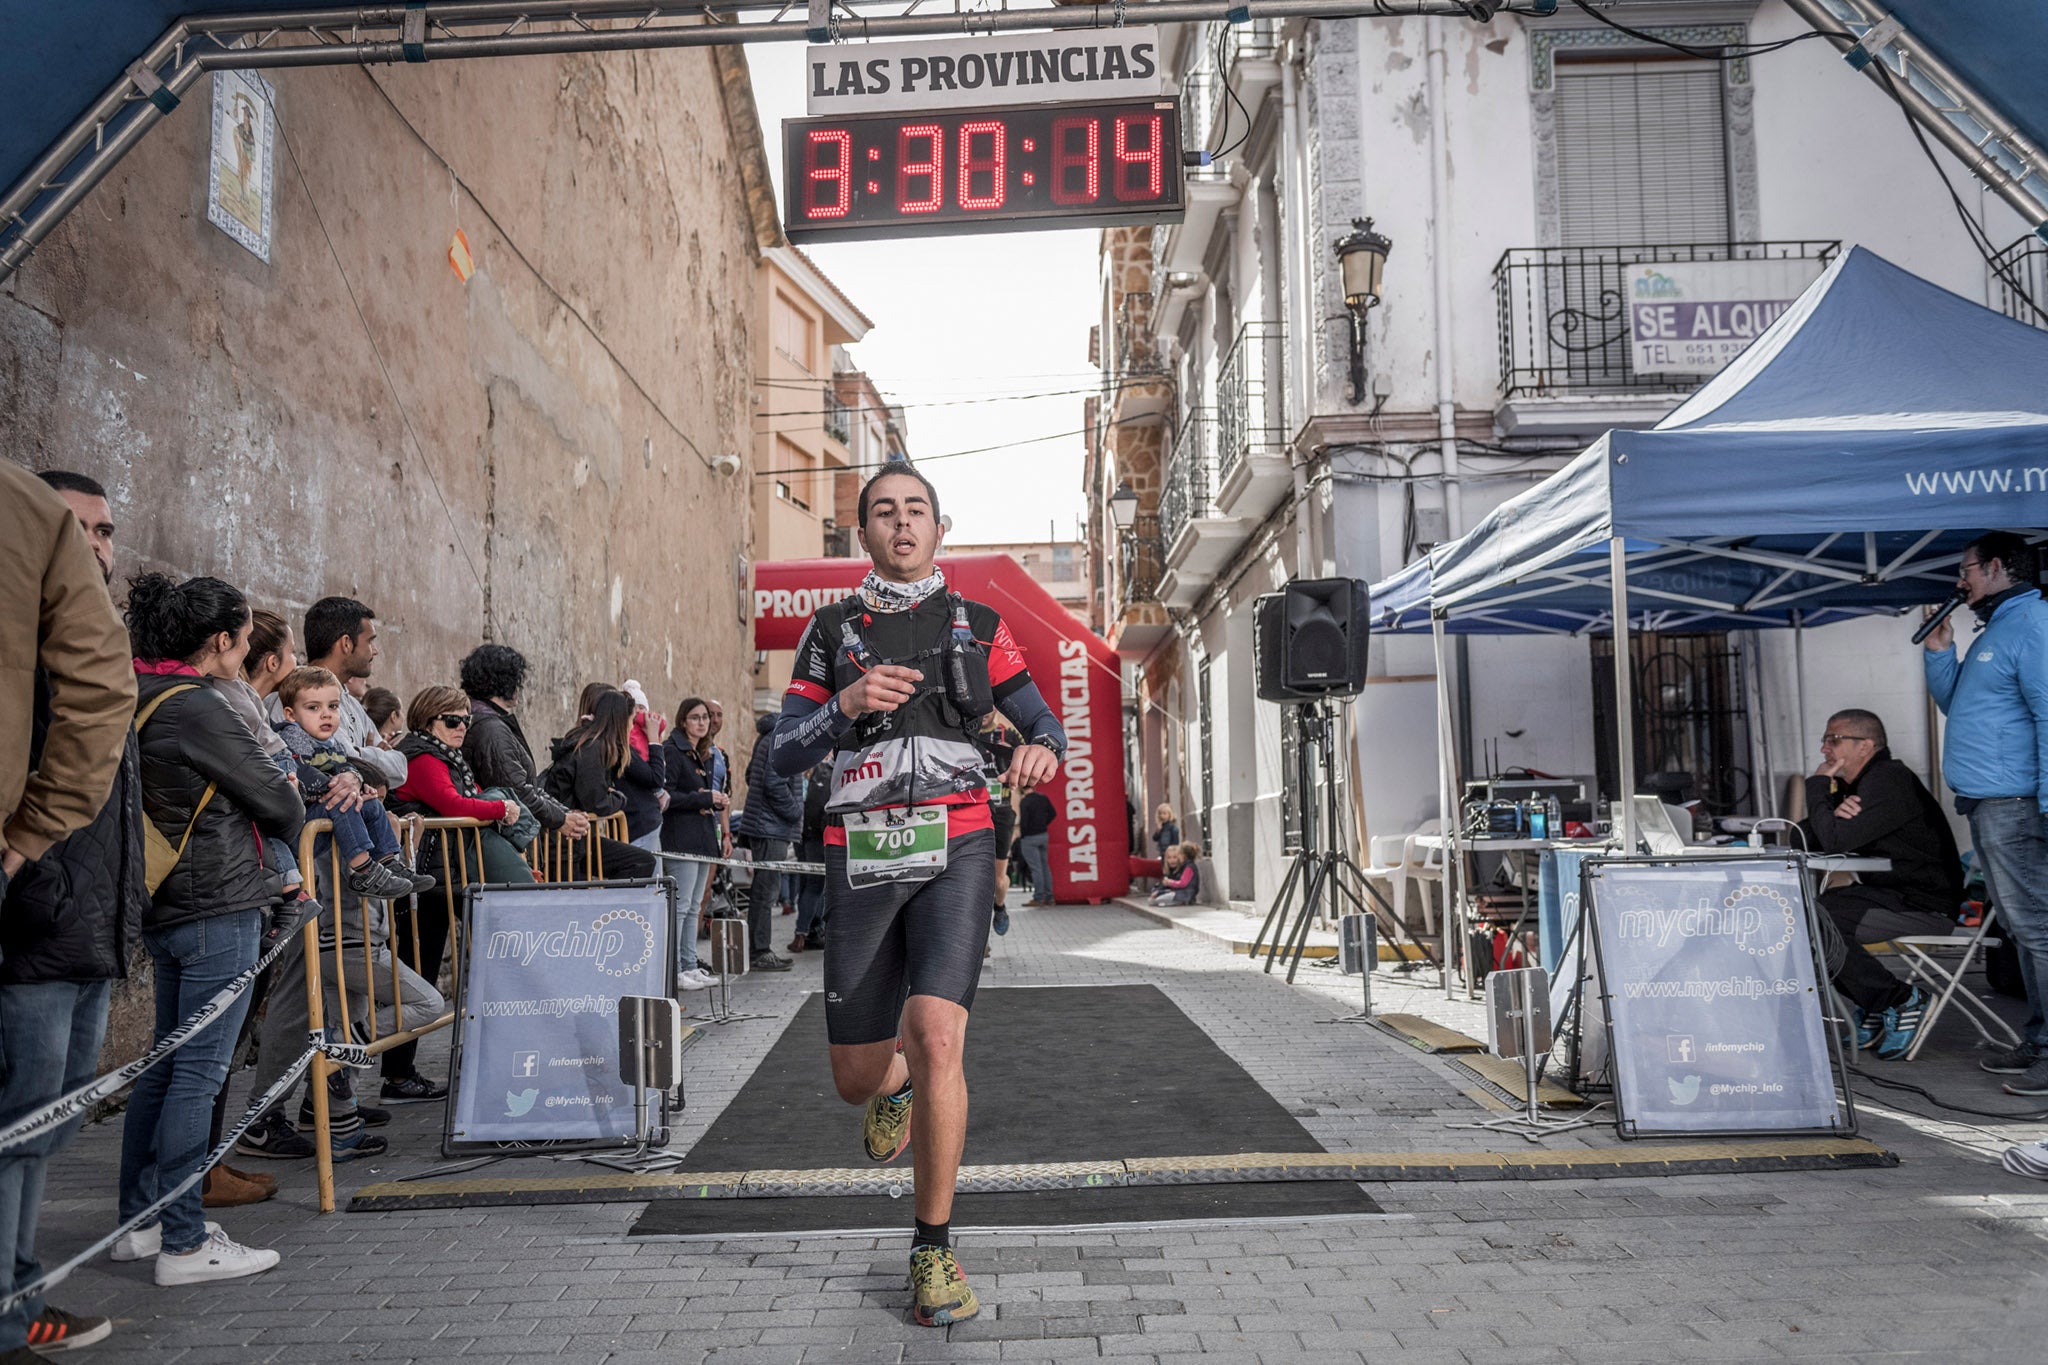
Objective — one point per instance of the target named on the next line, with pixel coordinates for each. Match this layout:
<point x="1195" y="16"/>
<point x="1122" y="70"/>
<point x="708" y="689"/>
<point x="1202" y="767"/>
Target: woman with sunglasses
<point x="438" y="780"/>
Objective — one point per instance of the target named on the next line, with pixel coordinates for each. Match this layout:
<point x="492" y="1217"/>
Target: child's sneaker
<point x="378" y="882"/>
<point x="421" y="882"/>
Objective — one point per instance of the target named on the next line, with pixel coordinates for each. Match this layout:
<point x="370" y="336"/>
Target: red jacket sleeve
<point x="427" y="782"/>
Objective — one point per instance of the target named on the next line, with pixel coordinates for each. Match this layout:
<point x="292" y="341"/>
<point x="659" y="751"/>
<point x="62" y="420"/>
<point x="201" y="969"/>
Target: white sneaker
<point x="695" y="979"/>
<point x="219" y="1257"/>
<point x="143" y="1243"/>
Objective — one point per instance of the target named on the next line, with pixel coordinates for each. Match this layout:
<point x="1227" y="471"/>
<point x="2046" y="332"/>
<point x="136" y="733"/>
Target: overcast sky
<point x="959" y="322"/>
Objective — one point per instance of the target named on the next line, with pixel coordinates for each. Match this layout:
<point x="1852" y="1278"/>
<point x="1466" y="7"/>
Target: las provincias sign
<point x="1082" y="65"/>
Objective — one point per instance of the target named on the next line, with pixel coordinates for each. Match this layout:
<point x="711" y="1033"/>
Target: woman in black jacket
<point x="211" y="793"/>
<point x="690" y="825"/>
<point x="585" y="775"/>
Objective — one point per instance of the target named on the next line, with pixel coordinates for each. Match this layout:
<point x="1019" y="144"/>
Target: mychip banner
<point x="536" y="1023"/>
<point x="1714" y="1000"/>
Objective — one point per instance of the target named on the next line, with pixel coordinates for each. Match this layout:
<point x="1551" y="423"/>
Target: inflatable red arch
<point x="1075" y="669"/>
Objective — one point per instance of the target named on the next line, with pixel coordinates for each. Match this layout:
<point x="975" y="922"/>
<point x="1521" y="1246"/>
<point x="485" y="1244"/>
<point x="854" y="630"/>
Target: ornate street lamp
<point x="1123" y="506"/>
<point x="1362" y="259"/>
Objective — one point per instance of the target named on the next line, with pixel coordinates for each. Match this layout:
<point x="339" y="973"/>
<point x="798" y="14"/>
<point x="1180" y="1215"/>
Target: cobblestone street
<point x="1942" y="1257"/>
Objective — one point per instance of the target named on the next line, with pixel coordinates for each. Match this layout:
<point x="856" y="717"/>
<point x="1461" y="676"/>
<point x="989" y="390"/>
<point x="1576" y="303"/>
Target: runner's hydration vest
<point x="925" y="750"/>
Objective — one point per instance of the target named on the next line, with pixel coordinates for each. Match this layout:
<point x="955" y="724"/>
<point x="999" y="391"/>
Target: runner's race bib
<point x="896" y="845"/>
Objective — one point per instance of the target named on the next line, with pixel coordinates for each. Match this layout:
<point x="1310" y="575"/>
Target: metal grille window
<point x="1642" y="153"/>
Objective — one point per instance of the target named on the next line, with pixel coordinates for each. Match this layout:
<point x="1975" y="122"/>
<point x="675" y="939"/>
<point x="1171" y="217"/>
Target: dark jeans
<point x="2010" y="835"/>
<point x="1854" y="915"/>
<point x="366" y="829"/>
<point x="810" y="902"/>
<point x="1038" y="857"/>
<point x="501" y="863"/>
<point x="762" y="895"/>
<point x="49" y="1044"/>
<point x="622" y="861"/>
<point x="164" y="1138"/>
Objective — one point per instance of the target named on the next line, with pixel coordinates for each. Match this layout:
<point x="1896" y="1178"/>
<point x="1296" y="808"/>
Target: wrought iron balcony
<point x="1563" y="312"/>
<point x="1248" y="416"/>
<point x="2019" y="274"/>
<point x="1141" y="558"/>
<point x="1190" y="475"/>
<point x="1257" y="40"/>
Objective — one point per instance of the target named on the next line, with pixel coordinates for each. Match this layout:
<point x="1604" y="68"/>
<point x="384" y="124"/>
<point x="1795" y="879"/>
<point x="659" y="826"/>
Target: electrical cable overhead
<point x="1978" y="237"/>
<point x="1730" y="53"/>
<point x="968" y="402"/>
<point x="948" y="455"/>
<point x="1889" y="83"/>
<point x="588" y="326"/>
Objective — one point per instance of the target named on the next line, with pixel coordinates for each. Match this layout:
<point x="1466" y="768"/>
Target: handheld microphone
<point x="1955" y="600"/>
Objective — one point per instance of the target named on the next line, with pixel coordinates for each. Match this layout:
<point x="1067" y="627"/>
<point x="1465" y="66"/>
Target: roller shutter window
<point x="1642" y="153"/>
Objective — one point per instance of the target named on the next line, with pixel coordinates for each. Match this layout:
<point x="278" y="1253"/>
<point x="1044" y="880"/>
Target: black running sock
<point x="902" y="1096"/>
<point x="931" y="1234"/>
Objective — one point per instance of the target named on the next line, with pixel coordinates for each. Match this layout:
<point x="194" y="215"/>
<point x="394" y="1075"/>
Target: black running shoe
<point x="412" y="1090"/>
<point x="368" y="1115"/>
<point x="273" y="1137"/>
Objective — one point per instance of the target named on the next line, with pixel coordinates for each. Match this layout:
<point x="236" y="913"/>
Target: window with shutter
<point x="1642" y="153"/>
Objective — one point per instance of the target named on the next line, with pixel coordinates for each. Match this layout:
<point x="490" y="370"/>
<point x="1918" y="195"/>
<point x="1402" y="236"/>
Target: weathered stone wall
<point x="475" y="461"/>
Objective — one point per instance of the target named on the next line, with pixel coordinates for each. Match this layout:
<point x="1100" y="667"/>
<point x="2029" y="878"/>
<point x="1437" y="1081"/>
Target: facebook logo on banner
<point x="1681" y="1048"/>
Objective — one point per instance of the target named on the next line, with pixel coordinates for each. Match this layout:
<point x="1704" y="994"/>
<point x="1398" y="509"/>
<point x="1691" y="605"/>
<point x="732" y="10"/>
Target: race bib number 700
<point x="899" y="845"/>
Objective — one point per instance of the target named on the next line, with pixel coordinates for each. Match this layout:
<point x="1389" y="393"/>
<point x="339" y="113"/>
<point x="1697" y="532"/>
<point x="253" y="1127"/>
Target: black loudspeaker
<point x="1310" y="640"/>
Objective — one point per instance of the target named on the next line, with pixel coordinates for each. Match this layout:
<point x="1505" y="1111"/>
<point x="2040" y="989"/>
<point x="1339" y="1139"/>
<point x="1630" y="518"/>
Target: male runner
<point x="893" y="683"/>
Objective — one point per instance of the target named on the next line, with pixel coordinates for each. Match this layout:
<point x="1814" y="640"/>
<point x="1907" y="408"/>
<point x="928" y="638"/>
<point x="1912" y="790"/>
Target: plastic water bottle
<point x="856" y="648"/>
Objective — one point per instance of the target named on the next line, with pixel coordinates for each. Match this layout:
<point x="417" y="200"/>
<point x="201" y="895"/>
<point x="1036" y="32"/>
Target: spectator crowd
<point x="158" y="765"/>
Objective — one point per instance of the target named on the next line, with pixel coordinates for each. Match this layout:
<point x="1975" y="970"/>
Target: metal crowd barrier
<point x="552" y="857"/>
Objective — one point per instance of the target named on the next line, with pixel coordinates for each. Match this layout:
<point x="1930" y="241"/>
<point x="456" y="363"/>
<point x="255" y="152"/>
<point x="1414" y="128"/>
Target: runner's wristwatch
<point x="1050" y="744"/>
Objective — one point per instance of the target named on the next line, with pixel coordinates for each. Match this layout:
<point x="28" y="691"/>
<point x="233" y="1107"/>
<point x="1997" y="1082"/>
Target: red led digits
<point x="829" y="180"/>
<point x="931" y="165"/>
<point x="1149" y="157"/>
<point x="991" y="165"/>
<point x="1087" y="159"/>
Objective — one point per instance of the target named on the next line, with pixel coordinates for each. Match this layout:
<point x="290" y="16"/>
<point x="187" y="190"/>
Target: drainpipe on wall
<point x="1437" y="67"/>
<point x="1299" y="305"/>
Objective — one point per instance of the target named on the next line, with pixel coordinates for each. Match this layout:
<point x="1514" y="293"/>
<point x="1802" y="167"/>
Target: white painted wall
<point x="1835" y="160"/>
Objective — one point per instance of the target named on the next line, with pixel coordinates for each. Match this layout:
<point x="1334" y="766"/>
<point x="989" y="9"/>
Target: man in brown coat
<point x="54" y="614"/>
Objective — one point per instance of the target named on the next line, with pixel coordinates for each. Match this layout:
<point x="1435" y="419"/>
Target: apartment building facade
<point x="1521" y="171"/>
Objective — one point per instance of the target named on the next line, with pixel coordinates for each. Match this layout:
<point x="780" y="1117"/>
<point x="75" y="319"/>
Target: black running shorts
<point x="890" y="942"/>
<point x="1005" y="820"/>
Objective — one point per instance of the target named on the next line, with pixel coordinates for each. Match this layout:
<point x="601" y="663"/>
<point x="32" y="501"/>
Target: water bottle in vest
<point x="973" y="702"/>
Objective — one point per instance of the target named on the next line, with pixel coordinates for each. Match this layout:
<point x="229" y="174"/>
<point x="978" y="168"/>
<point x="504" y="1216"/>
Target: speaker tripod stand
<point x="1322" y="876"/>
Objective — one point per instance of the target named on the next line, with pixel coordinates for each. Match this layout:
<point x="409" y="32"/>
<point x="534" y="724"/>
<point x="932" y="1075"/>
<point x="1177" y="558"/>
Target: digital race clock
<point x="929" y="172"/>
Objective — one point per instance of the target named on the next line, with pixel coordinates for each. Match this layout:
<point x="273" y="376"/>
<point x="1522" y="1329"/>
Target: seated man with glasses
<point x="1862" y="800"/>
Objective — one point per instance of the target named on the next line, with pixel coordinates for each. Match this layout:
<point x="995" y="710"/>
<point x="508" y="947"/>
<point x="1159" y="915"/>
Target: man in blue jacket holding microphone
<point x="1995" y="759"/>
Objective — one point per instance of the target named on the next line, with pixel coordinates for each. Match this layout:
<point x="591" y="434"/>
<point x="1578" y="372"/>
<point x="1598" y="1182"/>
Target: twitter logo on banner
<point x="522" y="1102"/>
<point x="1682" y="1092"/>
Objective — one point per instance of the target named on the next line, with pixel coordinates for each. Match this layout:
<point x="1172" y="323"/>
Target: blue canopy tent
<point x="1836" y="468"/>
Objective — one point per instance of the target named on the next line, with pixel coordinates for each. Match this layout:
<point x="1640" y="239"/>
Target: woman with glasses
<point x="438" y="782"/>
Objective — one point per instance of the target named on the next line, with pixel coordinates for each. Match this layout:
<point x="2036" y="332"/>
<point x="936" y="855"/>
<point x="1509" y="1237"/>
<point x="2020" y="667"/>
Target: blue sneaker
<point x="1002" y="924"/>
<point x="1866" y="1025"/>
<point x="1902" y="1026"/>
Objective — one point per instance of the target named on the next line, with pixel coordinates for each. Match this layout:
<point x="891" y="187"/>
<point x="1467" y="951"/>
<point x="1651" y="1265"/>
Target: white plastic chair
<point x="1398" y="860"/>
<point x="1921" y="954"/>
